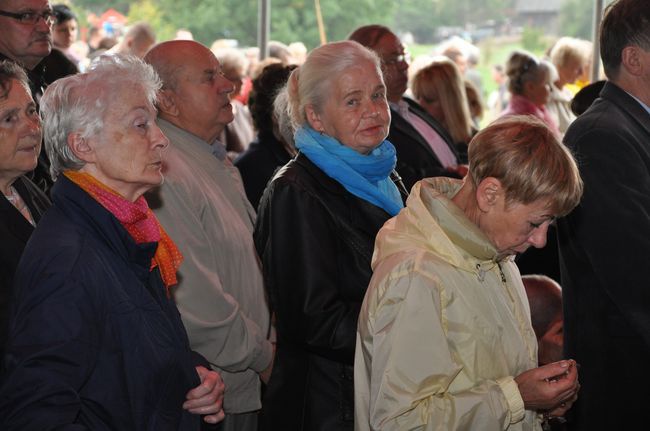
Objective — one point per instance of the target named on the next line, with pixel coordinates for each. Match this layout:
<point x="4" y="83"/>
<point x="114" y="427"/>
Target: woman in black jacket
<point x="315" y="234"/>
<point x="21" y="202"/>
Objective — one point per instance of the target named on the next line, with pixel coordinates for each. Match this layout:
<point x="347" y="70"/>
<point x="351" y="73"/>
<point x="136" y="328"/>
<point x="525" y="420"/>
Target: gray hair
<point x="11" y="71"/>
<point x="523" y="67"/>
<point x="78" y="103"/>
<point x="310" y="83"/>
<point x="281" y="116"/>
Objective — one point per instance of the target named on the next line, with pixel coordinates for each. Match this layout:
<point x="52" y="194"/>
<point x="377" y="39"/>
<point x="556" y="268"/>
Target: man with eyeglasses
<point x="26" y="38"/>
<point x="424" y="148"/>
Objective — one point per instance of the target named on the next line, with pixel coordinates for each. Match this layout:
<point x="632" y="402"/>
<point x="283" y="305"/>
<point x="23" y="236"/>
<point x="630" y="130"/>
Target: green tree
<point x="418" y="17"/>
<point x="576" y="18"/>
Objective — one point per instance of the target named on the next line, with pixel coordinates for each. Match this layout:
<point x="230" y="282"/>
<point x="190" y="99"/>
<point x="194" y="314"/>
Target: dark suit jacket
<point x="605" y="254"/>
<point x="15" y="230"/>
<point x="415" y="158"/>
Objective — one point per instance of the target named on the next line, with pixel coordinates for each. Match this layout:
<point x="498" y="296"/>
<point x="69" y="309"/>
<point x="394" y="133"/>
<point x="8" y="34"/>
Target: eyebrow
<point x="7" y="112"/>
<point x="351" y="93"/>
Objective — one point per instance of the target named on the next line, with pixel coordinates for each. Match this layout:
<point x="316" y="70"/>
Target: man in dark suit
<point x="424" y="148"/>
<point x="605" y="242"/>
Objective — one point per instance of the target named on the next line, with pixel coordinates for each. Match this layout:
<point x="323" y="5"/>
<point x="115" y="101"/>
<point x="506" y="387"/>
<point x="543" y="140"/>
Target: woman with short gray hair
<point x="95" y="340"/>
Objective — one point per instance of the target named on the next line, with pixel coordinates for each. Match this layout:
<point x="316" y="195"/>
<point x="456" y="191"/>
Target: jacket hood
<point x="432" y="222"/>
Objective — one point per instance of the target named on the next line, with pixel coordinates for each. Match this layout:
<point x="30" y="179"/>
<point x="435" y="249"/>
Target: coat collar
<point x="361" y="210"/>
<point x="627" y="103"/>
<point x="82" y="209"/>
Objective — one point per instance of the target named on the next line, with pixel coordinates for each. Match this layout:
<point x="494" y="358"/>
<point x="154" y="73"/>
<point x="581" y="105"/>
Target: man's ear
<point x="314" y="119"/>
<point x="167" y="103"/>
<point x="488" y="193"/>
<point x="81" y="148"/>
<point x="631" y="60"/>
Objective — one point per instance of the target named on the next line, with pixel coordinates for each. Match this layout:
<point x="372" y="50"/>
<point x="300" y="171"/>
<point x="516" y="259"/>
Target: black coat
<point x="94" y="341"/>
<point x="415" y="158"/>
<point x="258" y="163"/>
<point x="316" y="241"/>
<point x="15" y="230"/>
<point x="604" y="254"/>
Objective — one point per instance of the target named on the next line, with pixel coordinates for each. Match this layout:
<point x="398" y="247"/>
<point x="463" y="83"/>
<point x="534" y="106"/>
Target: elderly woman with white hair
<point x="95" y="340"/>
<point x="445" y="340"/>
<point x="529" y="83"/>
<point x="316" y="227"/>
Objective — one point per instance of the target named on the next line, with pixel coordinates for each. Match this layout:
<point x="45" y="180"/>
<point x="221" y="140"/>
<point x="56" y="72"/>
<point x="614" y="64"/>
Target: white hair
<point x="310" y="83"/>
<point x="78" y="104"/>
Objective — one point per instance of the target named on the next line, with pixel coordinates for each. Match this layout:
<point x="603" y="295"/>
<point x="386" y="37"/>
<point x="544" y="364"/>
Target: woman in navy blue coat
<point x="95" y="340"/>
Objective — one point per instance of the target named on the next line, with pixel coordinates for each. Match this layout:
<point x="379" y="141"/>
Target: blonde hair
<point x="566" y="50"/>
<point x="310" y="83"/>
<point x="531" y="164"/>
<point x="442" y="77"/>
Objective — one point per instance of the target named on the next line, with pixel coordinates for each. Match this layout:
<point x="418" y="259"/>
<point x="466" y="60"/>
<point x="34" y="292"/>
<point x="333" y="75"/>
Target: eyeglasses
<point x="30" y="18"/>
<point x="401" y="58"/>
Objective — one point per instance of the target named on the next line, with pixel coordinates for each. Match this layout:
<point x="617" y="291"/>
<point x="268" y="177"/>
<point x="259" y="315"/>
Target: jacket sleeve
<point x="217" y="327"/>
<point x="412" y="367"/>
<point x="52" y="349"/>
<point x="302" y="270"/>
<point x="613" y="215"/>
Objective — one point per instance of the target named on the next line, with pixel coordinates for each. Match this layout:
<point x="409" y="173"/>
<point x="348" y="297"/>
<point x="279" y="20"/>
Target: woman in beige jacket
<point x="444" y="339"/>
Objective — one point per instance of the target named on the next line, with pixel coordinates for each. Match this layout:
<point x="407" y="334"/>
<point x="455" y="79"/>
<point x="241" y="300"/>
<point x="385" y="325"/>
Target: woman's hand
<point x="553" y="387"/>
<point x="207" y="398"/>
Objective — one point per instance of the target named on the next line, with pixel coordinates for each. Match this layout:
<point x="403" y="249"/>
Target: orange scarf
<point x="138" y="219"/>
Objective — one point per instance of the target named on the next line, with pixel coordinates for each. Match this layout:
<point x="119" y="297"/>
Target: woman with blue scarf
<point x="315" y="233"/>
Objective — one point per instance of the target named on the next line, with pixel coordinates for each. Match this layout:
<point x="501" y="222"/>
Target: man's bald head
<point x="195" y="92"/>
<point x="545" y="299"/>
<point x="169" y="59"/>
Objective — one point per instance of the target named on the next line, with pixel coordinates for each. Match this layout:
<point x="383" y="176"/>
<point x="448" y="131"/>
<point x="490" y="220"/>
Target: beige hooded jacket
<point x="444" y="328"/>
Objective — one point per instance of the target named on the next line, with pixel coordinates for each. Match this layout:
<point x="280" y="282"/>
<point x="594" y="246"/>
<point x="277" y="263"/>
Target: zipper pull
<point x="503" y="276"/>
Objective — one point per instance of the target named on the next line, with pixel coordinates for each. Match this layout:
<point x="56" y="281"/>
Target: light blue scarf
<point x="365" y="176"/>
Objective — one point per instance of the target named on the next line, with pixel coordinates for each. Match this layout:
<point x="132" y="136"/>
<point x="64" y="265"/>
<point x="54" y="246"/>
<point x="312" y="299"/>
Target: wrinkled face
<point x="538" y="91"/>
<point x="395" y="65"/>
<point x="20" y="132"/>
<point x="128" y="149"/>
<point x="26" y="43"/>
<point x="430" y="101"/>
<point x="515" y="227"/>
<point x="202" y="95"/>
<point x="356" y="112"/>
<point x="550" y="345"/>
<point x="65" y="34"/>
